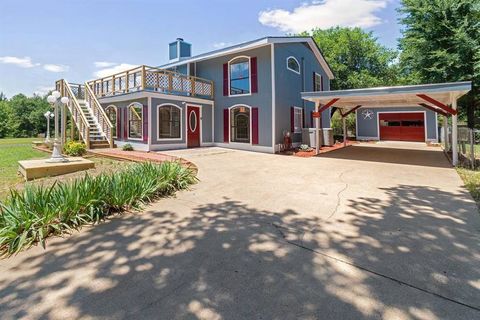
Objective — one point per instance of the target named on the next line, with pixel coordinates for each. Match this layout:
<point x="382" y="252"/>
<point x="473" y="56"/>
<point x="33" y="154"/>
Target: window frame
<point x="230" y="121"/>
<point x="115" y="136"/>
<point x="158" y="122"/>
<point x="128" y="121"/>
<point x="298" y="64"/>
<point x="319" y="84"/>
<point x="295" y="110"/>
<point x="230" y="62"/>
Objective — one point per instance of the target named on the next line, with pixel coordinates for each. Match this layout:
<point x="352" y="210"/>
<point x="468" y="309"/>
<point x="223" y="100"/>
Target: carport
<point x="440" y="98"/>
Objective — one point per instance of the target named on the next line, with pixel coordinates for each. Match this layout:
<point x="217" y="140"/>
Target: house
<point x="245" y="96"/>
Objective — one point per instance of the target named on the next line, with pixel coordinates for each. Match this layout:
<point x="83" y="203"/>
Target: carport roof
<point x="435" y="96"/>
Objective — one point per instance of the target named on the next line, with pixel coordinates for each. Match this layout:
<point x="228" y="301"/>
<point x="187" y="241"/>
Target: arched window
<point x="239" y="76"/>
<point x="111" y="112"/>
<point x="240" y="124"/>
<point x="293" y="65"/>
<point x="169" y="121"/>
<point x="135" y="121"/>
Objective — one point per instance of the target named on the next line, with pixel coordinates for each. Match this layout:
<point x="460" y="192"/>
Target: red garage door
<point x="402" y="126"/>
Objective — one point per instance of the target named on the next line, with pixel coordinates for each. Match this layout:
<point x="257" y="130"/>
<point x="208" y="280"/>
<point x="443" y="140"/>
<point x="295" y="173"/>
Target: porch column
<point x="454" y="134"/>
<point x="317" y="129"/>
<point x="344" y="121"/>
<point x="445" y="132"/>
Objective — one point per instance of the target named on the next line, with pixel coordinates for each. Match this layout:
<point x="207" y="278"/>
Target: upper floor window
<point x="293" y="65"/>
<point x="135" y="121"/>
<point x="169" y="122"/>
<point x="240" y="76"/>
<point x="317" y="82"/>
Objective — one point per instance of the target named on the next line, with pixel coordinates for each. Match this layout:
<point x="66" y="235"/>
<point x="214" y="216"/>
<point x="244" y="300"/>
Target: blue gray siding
<point x="368" y="129"/>
<point x="213" y="69"/>
<point x="289" y="85"/>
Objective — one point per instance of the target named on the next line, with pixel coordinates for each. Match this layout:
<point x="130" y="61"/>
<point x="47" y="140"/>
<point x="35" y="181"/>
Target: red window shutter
<point x="226" y="125"/>
<point x="254" y="125"/>
<point x="145" y="123"/>
<point x="125" y="124"/>
<point x="117" y="125"/>
<point x="292" y="119"/>
<point x="225" y="79"/>
<point x="253" y="74"/>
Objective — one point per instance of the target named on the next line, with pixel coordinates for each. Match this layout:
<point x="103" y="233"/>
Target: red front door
<point x="193" y="126"/>
<point x="402" y="126"/>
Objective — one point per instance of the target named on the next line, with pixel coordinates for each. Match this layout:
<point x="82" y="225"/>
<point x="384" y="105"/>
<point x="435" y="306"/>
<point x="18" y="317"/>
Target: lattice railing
<point x="74" y="107"/>
<point x="153" y="79"/>
<point x="99" y="113"/>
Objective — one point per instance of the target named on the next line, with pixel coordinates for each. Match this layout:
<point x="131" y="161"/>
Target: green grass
<point x="31" y="215"/>
<point x="471" y="178"/>
<point x="11" y="151"/>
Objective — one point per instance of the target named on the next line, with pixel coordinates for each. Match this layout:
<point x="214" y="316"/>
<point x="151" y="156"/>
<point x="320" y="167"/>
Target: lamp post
<point x="57" y="102"/>
<point x="48" y="115"/>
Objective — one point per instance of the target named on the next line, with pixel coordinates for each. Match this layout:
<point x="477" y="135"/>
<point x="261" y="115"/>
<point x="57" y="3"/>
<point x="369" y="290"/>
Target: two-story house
<point x="246" y="96"/>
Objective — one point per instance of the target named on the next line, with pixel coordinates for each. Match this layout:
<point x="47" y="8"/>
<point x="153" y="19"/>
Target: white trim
<point x="436" y="126"/>
<point x="213" y="123"/>
<point x="249" y="77"/>
<point x="199" y="122"/>
<point x="321" y="82"/>
<point x="301" y="120"/>
<point x="244" y="146"/>
<point x="149" y="124"/>
<point x="135" y="145"/>
<point x="128" y="121"/>
<point x="116" y="119"/>
<point x="424" y="121"/>
<point x="292" y="57"/>
<point x="367" y="138"/>
<point x="145" y="94"/>
<point x="230" y="123"/>
<point x="158" y="124"/>
<point x="168" y="146"/>
<point x="356" y="123"/>
<point x="272" y="66"/>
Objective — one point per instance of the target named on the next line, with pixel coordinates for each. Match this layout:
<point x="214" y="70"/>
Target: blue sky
<point x="42" y="41"/>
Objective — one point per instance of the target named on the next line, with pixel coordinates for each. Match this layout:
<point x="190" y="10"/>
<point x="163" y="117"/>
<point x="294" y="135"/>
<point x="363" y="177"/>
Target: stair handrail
<point x="76" y="112"/>
<point x="100" y="114"/>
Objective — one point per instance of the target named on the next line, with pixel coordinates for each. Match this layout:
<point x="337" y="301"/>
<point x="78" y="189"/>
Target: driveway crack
<point x="339" y="193"/>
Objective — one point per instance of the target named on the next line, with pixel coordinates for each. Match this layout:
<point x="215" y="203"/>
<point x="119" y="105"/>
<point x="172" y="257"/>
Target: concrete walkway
<point x="367" y="232"/>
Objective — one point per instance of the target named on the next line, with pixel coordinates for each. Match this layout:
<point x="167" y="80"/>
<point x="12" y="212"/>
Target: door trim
<point x="200" y="122"/>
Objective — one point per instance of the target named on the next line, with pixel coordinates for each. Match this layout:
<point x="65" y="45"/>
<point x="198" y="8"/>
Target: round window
<point x="193" y="121"/>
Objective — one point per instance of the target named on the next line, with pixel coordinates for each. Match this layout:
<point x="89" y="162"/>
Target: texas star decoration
<point x="367" y="114"/>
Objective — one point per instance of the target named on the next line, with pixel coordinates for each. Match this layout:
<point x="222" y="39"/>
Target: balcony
<point x="145" y="78"/>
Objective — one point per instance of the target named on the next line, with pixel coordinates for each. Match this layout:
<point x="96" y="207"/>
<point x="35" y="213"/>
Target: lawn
<point x="471" y="178"/>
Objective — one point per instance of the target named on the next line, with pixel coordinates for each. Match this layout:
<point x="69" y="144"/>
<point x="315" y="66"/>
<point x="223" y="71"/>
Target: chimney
<point x="179" y="49"/>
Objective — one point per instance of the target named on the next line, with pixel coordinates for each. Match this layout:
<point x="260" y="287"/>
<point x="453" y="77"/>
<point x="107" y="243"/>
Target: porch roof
<point x="436" y="96"/>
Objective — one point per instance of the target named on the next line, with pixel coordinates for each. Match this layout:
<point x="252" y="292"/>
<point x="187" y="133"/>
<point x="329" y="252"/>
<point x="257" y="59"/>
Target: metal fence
<point x="468" y="141"/>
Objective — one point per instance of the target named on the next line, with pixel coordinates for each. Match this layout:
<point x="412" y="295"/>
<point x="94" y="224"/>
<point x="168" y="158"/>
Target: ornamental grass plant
<point x="29" y="216"/>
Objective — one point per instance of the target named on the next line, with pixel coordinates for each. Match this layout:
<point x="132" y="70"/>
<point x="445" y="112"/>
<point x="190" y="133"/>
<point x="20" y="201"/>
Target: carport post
<point x="317" y="131"/>
<point x="454" y="134"/>
<point x="445" y="132"/>
<point x="344" y="120"/>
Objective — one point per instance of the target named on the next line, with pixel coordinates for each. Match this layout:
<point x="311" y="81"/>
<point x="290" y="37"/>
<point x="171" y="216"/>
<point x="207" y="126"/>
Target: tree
<point x="25" y="115"/>
<point x="441" y="43"/>
<point x="356" y="58"/>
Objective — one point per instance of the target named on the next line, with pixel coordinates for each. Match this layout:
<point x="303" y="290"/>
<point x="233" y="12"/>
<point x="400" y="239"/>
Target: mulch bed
<point x="311" y="153"/>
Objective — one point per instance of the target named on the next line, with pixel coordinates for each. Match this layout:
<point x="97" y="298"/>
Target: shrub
<point x="30" y="216"/>
<point x="127" y="147"/>
<point x="304" y="147"/>
<point x="73" y="148"/>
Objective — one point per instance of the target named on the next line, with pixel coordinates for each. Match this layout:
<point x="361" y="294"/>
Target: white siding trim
<point x="181" y="118"/>
<point x="272" y="66"/>
<point x="249" y="76"/>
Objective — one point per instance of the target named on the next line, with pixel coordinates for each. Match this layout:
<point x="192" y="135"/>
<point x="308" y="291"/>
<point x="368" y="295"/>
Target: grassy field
<point x="15" y="149"/>
<point x="471" y="179"/>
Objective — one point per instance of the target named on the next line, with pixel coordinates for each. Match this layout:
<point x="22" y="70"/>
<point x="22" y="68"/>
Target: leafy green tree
<point x="4" y="132"/>
<point x="441" y="43"/>
<point x="357" y="59"/>
<point x="25" y="115"/>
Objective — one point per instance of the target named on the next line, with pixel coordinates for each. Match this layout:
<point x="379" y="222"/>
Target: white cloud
<point x="325" y="14"/>
<point x="104" y="64"/>
<point x="43" y="90"/>
<point x="25" y="62"/>
<point x="114" y="69"/>
<point x="219" y="45"/>
<point x="55" y="67"/>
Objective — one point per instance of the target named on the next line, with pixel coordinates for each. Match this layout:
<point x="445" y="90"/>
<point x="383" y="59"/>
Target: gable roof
<point x="255" y="44"/>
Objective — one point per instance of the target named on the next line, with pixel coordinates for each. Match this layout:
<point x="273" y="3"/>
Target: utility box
<point x="328" y="137"/>
<point x="309" y="137"/>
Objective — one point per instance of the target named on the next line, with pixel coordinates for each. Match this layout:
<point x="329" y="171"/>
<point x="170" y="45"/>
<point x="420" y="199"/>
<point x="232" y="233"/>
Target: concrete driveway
<point x="381" y="231"/>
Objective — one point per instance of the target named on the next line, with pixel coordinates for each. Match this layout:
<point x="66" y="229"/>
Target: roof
<point x="394" y="96"/>
<point x="255" y="44"/>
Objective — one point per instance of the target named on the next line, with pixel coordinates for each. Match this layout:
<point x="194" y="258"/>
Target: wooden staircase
<point x="88" y="115"/>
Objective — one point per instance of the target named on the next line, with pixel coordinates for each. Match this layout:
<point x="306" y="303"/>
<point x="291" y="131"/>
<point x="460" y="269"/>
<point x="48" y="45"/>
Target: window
<point x="240" y="76"/>
<point x="111" y="112"/>
<point x="169" y="122"/>
<point x="297" y="119"/>
<point x="317" y="82"/>
<point x="293" y="65"/>
<point x="135" y="121"/>
<point x="240" y="124"/>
